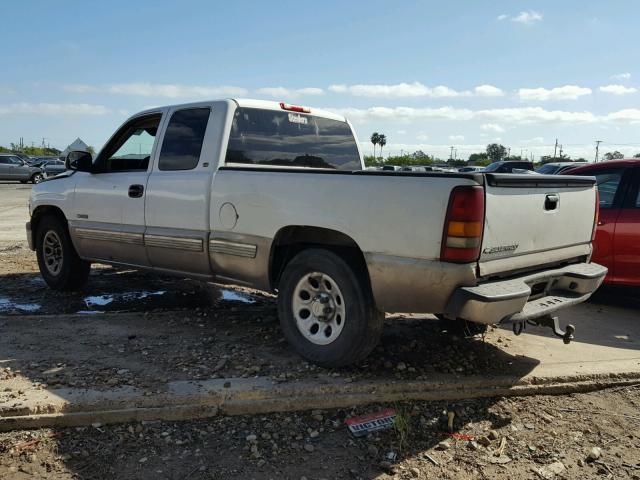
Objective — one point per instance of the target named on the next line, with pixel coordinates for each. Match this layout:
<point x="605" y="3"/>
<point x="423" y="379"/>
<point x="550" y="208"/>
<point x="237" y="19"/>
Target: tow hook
<point x="547" y="321"/>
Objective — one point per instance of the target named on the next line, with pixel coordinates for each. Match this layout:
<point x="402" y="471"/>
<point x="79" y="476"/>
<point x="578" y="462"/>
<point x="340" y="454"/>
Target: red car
<point x="617" y="243"/>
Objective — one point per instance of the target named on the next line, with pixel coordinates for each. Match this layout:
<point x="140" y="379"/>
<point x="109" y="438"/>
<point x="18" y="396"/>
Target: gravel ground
<point x="162" y="328"/>
<point x="583" y="436"/>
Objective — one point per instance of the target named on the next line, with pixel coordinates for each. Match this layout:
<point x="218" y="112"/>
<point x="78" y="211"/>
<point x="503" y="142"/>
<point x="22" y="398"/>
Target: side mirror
<point x="79" y="160"/>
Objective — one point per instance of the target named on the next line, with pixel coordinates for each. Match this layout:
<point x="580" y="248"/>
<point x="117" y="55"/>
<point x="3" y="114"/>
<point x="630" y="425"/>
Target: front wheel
<point x="326" y="311"/>
<point x="60" y="266"/>
<point x="37" y="178"/>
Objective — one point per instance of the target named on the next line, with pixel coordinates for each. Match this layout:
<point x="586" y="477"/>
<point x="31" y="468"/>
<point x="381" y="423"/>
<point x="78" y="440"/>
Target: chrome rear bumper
<point x="524" y="298"/>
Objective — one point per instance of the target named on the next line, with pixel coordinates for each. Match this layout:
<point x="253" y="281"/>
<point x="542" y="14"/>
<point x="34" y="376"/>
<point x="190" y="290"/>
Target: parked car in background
<point x="508" y="167"/>
<point x="52" y="168"/>
<point x="14" y="168"/>
<point x="617" y="238"/>
<point x="390" y="168"/>
<point x="557" y="167"/>
<point x="470" y="169"/>
<point x="416" y="168"/>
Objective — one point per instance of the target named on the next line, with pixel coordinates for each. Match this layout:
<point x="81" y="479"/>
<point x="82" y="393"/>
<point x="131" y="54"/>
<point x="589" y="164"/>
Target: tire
<point x="341" y="325"/>
<point x="60" y="266"/>
<point x="23" y="181"/>
<point x="37" y="178"/>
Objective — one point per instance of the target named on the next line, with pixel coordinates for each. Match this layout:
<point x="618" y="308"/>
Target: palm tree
<point x="382" y="141"/>
<point x="375" y="139"/>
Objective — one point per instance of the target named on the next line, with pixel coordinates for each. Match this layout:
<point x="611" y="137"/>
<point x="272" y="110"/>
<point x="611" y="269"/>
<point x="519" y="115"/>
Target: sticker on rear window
<point x="293" y="118"/>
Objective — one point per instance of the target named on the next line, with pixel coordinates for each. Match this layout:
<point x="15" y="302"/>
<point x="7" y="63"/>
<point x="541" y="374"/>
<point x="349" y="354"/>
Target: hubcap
<point x="52" y="252"/>
<point x="318" y="308"/>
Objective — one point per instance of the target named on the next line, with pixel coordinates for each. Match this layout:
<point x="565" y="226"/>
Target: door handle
<point x="136" y="191"/>
<point x="551" y="201"/>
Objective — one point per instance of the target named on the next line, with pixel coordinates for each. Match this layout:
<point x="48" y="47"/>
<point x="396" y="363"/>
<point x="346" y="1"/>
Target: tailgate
<point x="535" y="220"/>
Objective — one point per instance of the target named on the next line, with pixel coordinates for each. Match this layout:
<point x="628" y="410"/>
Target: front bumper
<point x="527" y="297"/>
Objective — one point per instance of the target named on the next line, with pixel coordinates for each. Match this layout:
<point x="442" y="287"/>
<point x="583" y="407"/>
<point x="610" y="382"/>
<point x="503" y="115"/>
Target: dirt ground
<point x="595" y="435"/>
<point x="129" y="328"/>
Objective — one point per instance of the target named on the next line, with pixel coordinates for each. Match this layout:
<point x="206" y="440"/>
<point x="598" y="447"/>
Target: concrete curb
<point x="184" y="400"/>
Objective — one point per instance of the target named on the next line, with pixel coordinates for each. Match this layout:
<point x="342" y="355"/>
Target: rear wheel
<point x="326" y="311"/>
<point x="37" y="178"/>
<point x="60" y="265"/>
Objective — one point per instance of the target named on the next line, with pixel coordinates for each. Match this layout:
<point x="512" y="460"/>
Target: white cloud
<point x="422" y="137"/>
<point x="533" y="140"/>
<point x="628" y="115"/>
<point x="338" y="88"/>
<point x="6" y="89"/>
<point x="488" y="91"/>
<point x="166" y="90"/>
<point x="456" y="138"/>
<point x="413" y="90"/>
<point x="504" y="16"/>
<point x="283" y="92"/>
<point x="492" y="127"/>
<point x="527" y="17"/>
<point x="618" y="89"/>
<point x="621" y="76"/>
<point x="566" y="92"/>
<point x="518" y="115"/>
<point x="53" y="109"/>
<point x="401" y="132"/>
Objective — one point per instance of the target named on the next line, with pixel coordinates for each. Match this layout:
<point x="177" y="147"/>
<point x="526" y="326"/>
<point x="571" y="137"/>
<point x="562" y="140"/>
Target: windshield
<point x="548" y="168"/>
<point x="493" y="167"/>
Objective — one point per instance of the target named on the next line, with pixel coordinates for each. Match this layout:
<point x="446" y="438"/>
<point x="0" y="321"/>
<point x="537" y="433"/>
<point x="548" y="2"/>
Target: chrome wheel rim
<point x="37" y="178"/>
<point x="52" y="252"/>
<point x="318" y="308"/>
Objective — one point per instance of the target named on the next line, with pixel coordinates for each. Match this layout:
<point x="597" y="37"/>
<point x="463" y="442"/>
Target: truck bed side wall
<point x="396" y="221"/>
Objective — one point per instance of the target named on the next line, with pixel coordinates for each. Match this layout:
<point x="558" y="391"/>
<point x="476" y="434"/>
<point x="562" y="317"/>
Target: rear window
<point x="290" y="139"/>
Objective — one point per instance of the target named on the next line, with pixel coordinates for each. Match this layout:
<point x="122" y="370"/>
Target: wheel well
<point x="40" y="212"/>
<point x="291" y="240"/>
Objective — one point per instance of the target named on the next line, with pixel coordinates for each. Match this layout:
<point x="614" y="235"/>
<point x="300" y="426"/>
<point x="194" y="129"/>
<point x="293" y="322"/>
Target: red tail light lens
<point x="463" y="225"/>
<point x="596" y="216"/>
<point x="294" y="108"/>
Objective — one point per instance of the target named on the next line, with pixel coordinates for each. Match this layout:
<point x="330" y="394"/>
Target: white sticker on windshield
<point x="293" y="118"/>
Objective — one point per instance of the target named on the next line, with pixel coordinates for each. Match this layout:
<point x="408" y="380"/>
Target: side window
<point x="4" y="160"/>
<point x="608" y="182"/>
<point x="131" y="147"/>
<point x="182" y="142"/>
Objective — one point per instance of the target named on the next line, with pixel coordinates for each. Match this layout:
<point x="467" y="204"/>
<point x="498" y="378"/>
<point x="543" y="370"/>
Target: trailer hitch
<point x="547" y="321"/>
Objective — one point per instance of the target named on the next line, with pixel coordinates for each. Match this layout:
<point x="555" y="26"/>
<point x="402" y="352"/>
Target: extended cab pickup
<point x="275" y="196"/>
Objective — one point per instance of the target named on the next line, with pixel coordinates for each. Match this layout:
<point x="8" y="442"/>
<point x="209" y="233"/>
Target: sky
<point x="428" y="74"/>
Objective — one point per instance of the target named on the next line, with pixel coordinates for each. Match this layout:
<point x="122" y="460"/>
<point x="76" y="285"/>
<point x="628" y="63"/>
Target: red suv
<point x="617" y="243"/>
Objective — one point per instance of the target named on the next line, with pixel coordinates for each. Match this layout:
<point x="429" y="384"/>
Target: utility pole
<point x="598" y="142"/>
<point x="560" y="151"/>
<point x="508" y="152"/>
<point x="555" y="148"/>
<point x="451" y="154"/>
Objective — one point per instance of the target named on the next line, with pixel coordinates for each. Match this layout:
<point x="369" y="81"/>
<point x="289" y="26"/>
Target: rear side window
<point x="183" y="140"/>
<point x="608" y="184"/>
<point x="282" y="138"/>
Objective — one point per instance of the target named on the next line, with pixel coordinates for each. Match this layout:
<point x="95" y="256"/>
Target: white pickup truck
<point x="275" y="196"/>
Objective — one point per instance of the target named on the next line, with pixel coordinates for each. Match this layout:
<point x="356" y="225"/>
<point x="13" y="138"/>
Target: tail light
<point x="294" y="108"/>
<point x="463" y="225"/>
<point x="596" y="216"/>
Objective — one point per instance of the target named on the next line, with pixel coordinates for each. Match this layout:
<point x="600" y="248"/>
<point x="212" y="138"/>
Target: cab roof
<point x="248" y="103"/>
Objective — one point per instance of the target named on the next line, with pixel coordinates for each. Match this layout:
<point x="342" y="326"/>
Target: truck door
<point x="108" y="208"/>
<point x="177" y="204"/>
<point x="626" y="243"/>
<point x="610" y="183"/>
